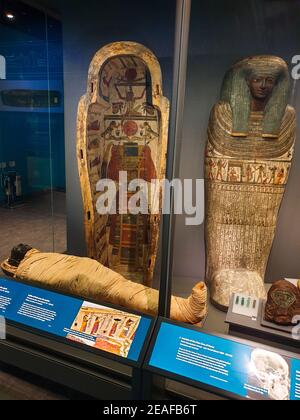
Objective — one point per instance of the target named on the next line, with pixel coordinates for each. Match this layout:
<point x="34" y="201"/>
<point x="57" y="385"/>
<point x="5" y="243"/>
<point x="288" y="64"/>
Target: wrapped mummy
<point x="250" y="147"/>
<point x="89" y="279"/>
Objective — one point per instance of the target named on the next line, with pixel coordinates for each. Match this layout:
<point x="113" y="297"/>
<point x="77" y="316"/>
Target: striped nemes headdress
<point x="236" y="92"/>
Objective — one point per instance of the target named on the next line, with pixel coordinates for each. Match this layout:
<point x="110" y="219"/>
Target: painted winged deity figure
<point x="252" y="131"/>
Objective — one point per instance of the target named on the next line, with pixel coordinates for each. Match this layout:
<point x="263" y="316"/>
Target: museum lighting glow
<point x="10" y="16"/>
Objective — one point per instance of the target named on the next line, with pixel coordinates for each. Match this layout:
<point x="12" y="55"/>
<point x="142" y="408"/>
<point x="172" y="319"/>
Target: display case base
<point x="73" y="368"/>
<point x="268" y="334"/>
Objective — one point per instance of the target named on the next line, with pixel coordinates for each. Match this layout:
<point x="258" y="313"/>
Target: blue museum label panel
<point x="104" y="328"/>
<point x="249" y="372"/>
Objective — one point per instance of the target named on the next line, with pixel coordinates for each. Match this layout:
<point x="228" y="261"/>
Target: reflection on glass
<point x="32" y="173"/>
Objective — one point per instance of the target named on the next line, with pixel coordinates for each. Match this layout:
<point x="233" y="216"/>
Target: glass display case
<point x="32" y="130"/>
<point x="245" y="30"/>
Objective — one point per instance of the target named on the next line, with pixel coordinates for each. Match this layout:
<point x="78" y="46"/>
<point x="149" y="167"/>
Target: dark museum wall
<point x="86" y="30"/>
<point x="221" y="34"/>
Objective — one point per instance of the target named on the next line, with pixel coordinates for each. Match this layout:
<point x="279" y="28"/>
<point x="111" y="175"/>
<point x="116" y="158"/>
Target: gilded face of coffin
<point x="261" y="87"/>
<point x="261" y="79"/>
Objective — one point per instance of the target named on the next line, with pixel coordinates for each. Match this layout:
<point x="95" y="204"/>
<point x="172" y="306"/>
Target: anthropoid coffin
<point x="122" y="139"/>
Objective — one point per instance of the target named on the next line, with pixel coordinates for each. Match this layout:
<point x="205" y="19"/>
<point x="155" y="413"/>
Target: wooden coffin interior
<point x="123" y="134"/>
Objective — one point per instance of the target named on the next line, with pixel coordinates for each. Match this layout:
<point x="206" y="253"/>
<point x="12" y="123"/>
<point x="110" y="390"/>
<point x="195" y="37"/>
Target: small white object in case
<point x="245" y="305"/>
